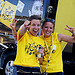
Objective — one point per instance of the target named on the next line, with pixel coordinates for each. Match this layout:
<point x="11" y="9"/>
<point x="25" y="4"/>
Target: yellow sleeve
<point x="18" y="36"/>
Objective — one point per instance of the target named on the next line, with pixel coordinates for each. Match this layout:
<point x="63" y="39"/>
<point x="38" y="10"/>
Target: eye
<point x="38" y="25"/>
<point x="33" y="24"/>
<point x="50" y="27"/>
<point x="46" y="27"/>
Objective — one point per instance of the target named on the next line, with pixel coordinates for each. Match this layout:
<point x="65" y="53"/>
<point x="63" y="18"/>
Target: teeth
<point x="35" y="30"/>
<point x="47" y="32"/>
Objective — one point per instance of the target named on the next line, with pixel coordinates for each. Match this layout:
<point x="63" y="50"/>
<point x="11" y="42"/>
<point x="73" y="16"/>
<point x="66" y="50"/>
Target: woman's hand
<point x="40" y="56"/>
<point x="27" y="24"/>
<point x="71" y="29"/>
<point x="13" y="24"/>
<point x="40" y="60"/>
<point x="41" y="50"/>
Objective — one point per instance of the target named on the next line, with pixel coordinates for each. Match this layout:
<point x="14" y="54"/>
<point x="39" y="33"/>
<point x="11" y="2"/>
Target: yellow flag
<point x="1" y="4"/>
<point x="7" y="13"/>
<point x="65" y="16"/>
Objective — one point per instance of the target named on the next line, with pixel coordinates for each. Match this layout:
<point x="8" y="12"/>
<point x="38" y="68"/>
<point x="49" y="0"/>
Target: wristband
<point x="15" y="36"/>
<point x="74" y="32"/>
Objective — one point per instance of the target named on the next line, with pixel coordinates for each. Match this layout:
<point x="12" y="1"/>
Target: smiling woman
<point x="48" y="29"/>
<point x="52" y="63"/>
<point x="34" y="25"/>
<point x="28" y="44"/>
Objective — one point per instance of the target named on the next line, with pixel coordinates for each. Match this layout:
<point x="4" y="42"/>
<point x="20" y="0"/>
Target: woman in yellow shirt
<point x="28" y="57"/>
<point x="52" y="63"/>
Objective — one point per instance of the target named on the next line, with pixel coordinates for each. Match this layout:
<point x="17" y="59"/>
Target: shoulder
<point x="55" y="35"/>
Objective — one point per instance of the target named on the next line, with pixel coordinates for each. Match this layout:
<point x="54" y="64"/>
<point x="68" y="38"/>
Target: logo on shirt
<point x="48" y="50"/>
<point x="32" y="48"/>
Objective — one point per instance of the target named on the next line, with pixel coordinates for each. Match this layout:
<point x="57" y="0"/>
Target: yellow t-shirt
<point x="55" y="63"/>
<point x="26" y="48"/>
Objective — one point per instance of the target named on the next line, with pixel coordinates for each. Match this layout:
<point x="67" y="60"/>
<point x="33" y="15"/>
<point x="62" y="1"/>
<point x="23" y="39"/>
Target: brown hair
<point x="37" y="17"/>
<point x="49" y="20"/>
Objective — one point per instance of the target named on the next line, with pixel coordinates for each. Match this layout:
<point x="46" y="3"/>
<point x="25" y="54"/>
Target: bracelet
<point x="15" y="36"/>
<point x="74" y="32"/>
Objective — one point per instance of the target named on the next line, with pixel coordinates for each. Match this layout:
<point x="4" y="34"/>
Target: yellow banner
<point x="65" y="16"/>
<point x="1" y="4"/>
<point x="8" y="13"/>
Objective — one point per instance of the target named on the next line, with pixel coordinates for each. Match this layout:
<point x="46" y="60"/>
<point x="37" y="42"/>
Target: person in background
<point x="30" y="47"/>
<point x="52" y="64"/>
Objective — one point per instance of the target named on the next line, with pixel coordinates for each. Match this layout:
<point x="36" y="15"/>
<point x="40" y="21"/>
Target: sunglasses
<point x="50" y="20"/>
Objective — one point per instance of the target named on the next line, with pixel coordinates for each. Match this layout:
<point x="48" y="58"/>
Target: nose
<point x="48" y="29"/>
<point x="36" y="26"/>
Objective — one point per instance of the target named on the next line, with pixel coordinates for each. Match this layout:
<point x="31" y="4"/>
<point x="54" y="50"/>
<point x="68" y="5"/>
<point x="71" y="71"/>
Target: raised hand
<point x="24" y="28"/>
<point x="71" y="29"/>
<point x="27" y="24"/>
<point x="13" y="24"/>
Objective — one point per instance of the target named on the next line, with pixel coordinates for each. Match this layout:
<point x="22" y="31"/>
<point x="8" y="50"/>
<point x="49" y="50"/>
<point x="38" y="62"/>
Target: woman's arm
<point x="66" y="38"/>
<point x="24" y="28"/>
<point x="13" y="26"/>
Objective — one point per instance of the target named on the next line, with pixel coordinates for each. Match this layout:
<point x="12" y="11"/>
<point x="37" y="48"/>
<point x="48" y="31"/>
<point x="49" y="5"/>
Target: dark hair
<point x="37" y="17"/>
<point x="48" y="20"/>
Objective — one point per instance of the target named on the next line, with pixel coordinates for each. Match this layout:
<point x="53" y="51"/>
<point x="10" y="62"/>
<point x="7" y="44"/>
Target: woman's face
<point x="35" y="27"/>
<point x="48" y="29"/>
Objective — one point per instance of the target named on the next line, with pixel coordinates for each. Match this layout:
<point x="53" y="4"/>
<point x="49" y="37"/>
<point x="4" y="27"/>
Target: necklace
<point x="50" y="52"/>
<point x="36" y="52"/>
